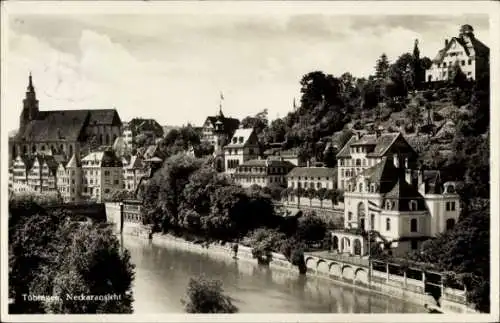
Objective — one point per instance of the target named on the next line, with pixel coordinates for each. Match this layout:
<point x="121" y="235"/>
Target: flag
<point x="372" y="206"/>
<point x="294" y="104"/>
<point x="221" y="96"/>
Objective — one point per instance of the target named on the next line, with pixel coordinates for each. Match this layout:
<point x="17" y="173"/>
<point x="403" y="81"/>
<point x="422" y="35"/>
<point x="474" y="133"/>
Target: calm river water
<point x="162" y="275"/>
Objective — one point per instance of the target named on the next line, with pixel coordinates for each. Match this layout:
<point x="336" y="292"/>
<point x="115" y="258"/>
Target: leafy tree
<point x="382" y="67"/>
<point x="311" y="228"/>
<point x="330" y="157"/>
<point x="93" y="265"/>
<point x="207" y="296"/>
<point x="258" y="122"/>
<point x="322" y="195"/>
<point x="51" y="261"/>
<point x="413" y="114"/>
<point x="310" y="193"/>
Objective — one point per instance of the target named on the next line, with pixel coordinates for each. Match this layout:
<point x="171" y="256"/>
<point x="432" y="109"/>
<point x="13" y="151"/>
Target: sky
<point x="172" y="67"/>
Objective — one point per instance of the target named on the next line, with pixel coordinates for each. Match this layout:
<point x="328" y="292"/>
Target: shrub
<point x="207" y="296"/>
<point x="437" y="117"/>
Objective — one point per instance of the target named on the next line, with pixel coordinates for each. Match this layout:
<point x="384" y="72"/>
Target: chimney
<point x="446" y="42"/>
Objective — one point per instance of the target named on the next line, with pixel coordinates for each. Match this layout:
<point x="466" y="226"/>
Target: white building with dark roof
<point x="400" y="207"/>
<point x="465" y="52"/>
<point x="364" y="151"/>
<point x="243" y="146"/>
<point x="263" y="172"/>
<point x="101" y="175"/>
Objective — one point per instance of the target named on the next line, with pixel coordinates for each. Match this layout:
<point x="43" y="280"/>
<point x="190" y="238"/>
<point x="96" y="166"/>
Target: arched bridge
<point x="336" y="269"/>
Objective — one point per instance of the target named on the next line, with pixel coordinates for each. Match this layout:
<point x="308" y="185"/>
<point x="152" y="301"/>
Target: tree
<point x="93" y="265"/>
<point x="258" y="122"/>
<point x="413" y="115"/>
<point x="207" y="296"/>
<point x="310" y="193"/>
<point x="322" y="195"/>
<point x="298" y="192"/>
<point x="311" y="228"/>
<point x="66" y="257"/>
<point x="382" y="67"/>
<point x="330" y="157"/>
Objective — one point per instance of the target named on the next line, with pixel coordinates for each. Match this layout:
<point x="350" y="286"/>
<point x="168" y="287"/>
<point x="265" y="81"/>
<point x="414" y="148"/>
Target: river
<point x="163" y="273"/>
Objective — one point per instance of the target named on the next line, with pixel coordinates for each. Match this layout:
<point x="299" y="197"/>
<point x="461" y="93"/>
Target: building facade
<point x="102" y="175"/>
<point x="37" y="173"/>
<point x="401" y="207"/>
<point x="242" y="147"/>
<point x="134" y="169"/>
<point x="61" y="132"/>
<point x="302" y="180"/>
<point x="70" y="180"/>
<point x="364" y="151"/>
<point x="465" y="52"/>
<point x="229" y="125"/>
<point x="263" y="172"/>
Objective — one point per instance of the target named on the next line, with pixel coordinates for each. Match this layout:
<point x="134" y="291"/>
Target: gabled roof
<point x="106" y="158"/>
<point x="135" y="162"/>
<point x="380" y="144"/>
<point x="313" y="172"/>
<point x="104" y="117"/>
<point x="243" y="137"/>
<point x="74" y="162"/>
<point x="480" y="49"/>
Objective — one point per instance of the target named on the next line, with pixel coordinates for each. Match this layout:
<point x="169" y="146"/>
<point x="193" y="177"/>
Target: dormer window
<point x="241" y="140"/>
<point x="413" y="205"/>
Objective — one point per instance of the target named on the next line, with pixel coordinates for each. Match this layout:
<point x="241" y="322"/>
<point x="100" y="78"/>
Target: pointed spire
<point x="220" y="105"/>
<point x="416" y="51"/>
<point x="30" y="84"/>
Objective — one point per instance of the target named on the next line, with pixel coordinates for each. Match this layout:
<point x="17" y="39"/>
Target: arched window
<point x="413" y="205"/>
<point x="387" y="224"/>
<point x="361" y="187"/>
<point x="61" y="148"/>
<point x="450" y="223"/>
<point x="388" y="205"/>
<point x="43" y="147"/>
<point x="413" y="225"/>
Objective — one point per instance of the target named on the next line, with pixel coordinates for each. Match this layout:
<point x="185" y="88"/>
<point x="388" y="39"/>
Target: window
<point x="318" y="185"/>
<point x="413" y="225"/>
<point x="414" y="244"/>
<point x="341" y="162"/>
<point x="444" y="64"/>
<point x="387" y="224"/>
<point x="413" y="205"/>
<point x="469" y="62"/>
<point x="358" y="162"/>
<point x="349" y="216"/>
<point x="361" y="187"/>
<point x="106" y="190"/>
<point x="106" y="173"/>
<point x="452" y="206"/>
<point x="115" y="182"/>
<point x="463" y="63"/>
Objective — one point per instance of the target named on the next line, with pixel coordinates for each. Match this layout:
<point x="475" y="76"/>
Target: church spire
<point x="416" y="51"/>
<point x="31" y="88"/>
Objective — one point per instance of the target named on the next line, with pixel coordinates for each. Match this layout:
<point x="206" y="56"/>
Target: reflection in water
<point x="162" y="275"/>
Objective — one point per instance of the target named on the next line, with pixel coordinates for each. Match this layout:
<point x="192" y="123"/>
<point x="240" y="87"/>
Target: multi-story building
<point x="310" y="178"/>
<point x="36" y="173"/>
<point x="263" y="172"/>
<point x="465" y="52"/>
<point x="61" y="132"/>
<point x="127" y="135"/>
<point x="401" y="209"/>
<point x="229" y="125"/>
<point x="69" y="179"/>
<point x="242" y="147"/>
<point x="364" y="151"/>
<point x="101" y="175"/>
<point x="134" y="169"/>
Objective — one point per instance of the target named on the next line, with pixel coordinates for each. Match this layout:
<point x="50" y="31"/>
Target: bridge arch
<point x="347" y="272"/>
<point x="361" y="275"/>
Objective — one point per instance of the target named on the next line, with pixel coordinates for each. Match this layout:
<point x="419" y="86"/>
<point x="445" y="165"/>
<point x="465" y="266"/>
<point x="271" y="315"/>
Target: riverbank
<point x="279" y="262"/>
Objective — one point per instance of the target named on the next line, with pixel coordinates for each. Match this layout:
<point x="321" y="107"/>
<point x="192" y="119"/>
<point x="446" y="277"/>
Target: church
<point x="62" y="132"/>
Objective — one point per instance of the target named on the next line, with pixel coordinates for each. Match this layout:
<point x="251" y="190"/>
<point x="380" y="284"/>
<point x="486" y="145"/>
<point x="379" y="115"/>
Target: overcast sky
<point x="172" y="67"/>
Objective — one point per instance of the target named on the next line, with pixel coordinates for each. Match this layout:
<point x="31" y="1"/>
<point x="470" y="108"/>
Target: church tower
<point x="30" y="105"/>
<point x="220" y="137"/>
